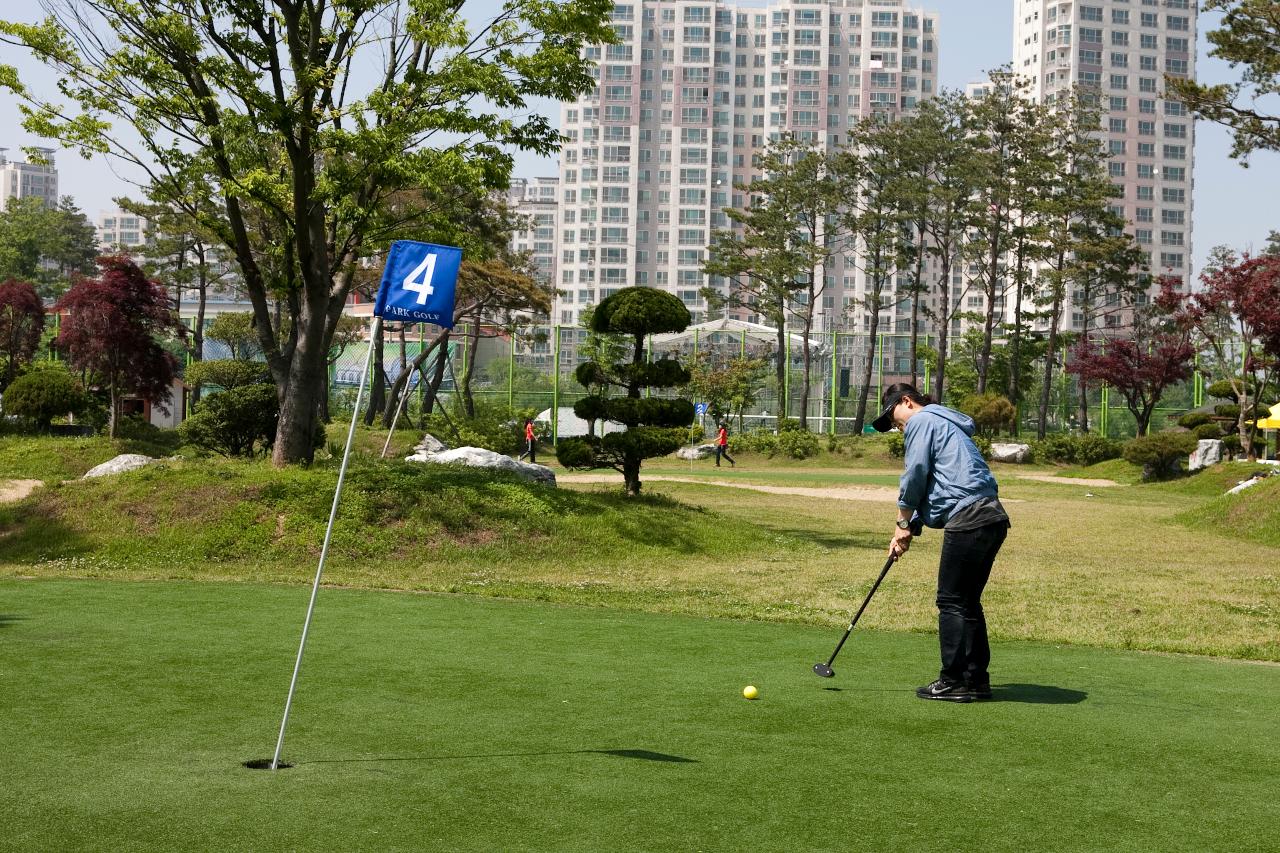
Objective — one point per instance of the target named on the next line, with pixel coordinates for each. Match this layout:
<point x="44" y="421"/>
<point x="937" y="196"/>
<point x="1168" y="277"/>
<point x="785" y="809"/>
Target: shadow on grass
<point x="870" y="541"/>
<point x="636" y="754"/>
<point x="1037" y="694"/>
<point x="9" y="619"/>
<point x="29" y="536"/>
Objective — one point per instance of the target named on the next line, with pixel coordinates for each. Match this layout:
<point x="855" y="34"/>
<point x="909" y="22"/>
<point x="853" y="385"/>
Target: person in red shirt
<point x="531" y="442"/>
<point x="722" y="446"/>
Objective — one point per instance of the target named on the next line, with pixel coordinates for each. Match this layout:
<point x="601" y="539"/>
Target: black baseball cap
<point x="893" y="395"/>
<point x="884" y="423"/>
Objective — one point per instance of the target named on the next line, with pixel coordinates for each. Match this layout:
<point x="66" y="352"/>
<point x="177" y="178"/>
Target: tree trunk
<point x="202" y="299"/>
<point x="378" y="382"/>
<point x="1015" y="345"/>
<point x="916" y="292"/>
<point x="1055" y="315"/>
<point x="781" y="361"/>
<point x="299" y="412"/>
<point x="401" y="386"/>
<point x="437" y="377"/>
<point x="808" y="358"/>
<point x="861" y="414"/>
<point x="468" y="401"/>
<point x="944" y="330"/>
<point x="984" y="358"/>
<point x="631" y="475"/>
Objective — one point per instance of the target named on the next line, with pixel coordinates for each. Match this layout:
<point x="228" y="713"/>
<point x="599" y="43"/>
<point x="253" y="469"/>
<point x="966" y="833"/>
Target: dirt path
<point x="845" y="493"/>
<point x="1069" y="481"/>
<point x="15" y="490"/>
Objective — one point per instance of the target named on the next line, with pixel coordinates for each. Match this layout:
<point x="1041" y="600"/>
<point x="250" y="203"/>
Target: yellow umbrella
<point x="1272" y="421"/>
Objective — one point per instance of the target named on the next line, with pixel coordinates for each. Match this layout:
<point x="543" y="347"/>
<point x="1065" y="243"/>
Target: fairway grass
<point x="456" y="723"/>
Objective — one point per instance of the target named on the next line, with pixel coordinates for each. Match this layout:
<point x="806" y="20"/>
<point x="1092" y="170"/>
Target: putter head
<point x="824" y="670"/>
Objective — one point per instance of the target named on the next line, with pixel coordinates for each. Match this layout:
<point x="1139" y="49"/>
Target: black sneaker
<point x="980" y="690"/>
<point x="947" y="691"/>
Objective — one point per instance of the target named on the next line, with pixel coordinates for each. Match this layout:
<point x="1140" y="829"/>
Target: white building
<point x="688" y="96"/>
<point x="25" y="180"/>
<point x="537" y="200"/>
<point x="121" y="230"/>
<point x="1123" y="49"/>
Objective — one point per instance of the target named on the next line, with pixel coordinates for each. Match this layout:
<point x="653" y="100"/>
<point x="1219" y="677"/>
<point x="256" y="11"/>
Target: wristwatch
<point x="903" y="524"/>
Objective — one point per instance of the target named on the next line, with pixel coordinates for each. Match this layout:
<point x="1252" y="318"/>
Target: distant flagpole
<point x="328" y="533"/>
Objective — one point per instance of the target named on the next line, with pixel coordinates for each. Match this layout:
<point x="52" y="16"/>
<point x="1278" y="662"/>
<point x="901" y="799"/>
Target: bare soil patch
<point x="12" y="491"/>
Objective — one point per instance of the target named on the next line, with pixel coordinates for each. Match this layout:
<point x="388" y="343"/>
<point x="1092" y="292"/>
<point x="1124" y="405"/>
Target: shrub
<point x="757" y="440"/>
<point x="1227" y="410"/>
<point x="897" y="444"/>
<point x="984" y="445"/>
<point x="492" y="428"/>
<point x="227" y="373"/>
<point x="42" y="395"/>
<point x="232" y="422"/>
<point x="797" y="444"/>
<point x="1205" y="431"/>
<point x="991" y="412"/>
<point x="789" y="425"/>
<point x="1160" y="454"/>
<point x="1191" y="420"/>
<point x="1084" y="450"/>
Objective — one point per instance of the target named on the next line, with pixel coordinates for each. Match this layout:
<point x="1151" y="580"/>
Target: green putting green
<point x="447" y="723"/>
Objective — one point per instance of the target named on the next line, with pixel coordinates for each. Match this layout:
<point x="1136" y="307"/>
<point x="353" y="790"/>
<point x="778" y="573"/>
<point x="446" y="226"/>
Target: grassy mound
<point x="1253" y="514"/>
<point x="1112" y="469"/>
<point x="400" y="525"/>
<point x="51" y="459"/>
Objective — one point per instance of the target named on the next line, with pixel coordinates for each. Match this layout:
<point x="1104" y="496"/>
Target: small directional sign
<point x="419" y="283"/>
<point x="700" y="409"/>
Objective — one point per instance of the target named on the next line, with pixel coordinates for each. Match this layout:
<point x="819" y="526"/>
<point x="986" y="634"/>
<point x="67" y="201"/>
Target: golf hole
<point x="265" y="764"/>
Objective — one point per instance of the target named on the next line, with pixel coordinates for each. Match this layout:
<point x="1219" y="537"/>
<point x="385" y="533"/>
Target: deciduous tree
<point x="21" y="325"/>
<point x="110" y="334"/>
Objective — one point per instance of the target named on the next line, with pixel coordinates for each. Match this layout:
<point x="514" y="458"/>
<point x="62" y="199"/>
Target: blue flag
<point x="419" y="283"/>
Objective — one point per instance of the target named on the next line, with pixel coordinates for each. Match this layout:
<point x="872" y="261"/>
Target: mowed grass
<point x="1132" y="567"/>
<point x="457" y="723"/>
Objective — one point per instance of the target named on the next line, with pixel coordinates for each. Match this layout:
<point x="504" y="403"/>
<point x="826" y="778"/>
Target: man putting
<point x="946" y="483"/>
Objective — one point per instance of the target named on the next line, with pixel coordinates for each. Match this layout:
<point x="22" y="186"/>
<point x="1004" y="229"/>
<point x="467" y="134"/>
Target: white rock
<point x="478" y="457"/>
<point x="697" y="451"/>
<point x="1208" y="452"/>
<point x="123" y="462"/>
<point x="430" y="444"/>
<point x="1009" y="452"/>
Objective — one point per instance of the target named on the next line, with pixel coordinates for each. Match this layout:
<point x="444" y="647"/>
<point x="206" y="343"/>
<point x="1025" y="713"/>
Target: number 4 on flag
<point x="419" y="281"/>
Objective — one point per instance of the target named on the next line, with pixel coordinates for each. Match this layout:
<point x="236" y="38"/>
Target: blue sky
<point x="1233" y="205"/>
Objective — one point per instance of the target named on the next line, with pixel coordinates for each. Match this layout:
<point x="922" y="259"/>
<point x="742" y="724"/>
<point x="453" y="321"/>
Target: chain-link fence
<point x="533" y="372"/>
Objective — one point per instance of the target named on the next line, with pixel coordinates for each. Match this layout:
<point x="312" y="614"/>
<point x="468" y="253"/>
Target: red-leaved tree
<point x="21" y="325"/>
<point x="1157" y="354"/>
<point x="1237" y="315"/>
<point x="111" y="334"/>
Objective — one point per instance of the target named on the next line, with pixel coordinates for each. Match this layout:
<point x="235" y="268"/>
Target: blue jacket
<point x="944" y="469"/>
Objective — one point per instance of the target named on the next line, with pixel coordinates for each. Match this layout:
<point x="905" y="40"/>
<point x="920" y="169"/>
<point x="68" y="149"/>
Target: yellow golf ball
<point x="750" y="692"/>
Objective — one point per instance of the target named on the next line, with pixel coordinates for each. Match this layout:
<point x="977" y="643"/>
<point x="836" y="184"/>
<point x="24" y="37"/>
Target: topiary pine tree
<point x="655" y="426"/>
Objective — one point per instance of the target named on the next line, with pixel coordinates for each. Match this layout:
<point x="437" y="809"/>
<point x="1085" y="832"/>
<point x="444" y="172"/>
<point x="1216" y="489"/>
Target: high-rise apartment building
<point x="537" y="201"/>
<point x="1123" y="49"/>
<point x="119" y="229"/>
<point x="686" y="99"/>
<point x="26" y="180"/>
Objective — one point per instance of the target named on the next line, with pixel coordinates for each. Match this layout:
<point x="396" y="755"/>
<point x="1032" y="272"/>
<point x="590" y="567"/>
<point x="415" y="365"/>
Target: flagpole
<point x="324" y="551"/>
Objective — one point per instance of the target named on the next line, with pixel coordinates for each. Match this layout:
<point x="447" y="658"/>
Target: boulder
<point x="697" y="451"/>
<point x="430" y="444"/>
<point x="1009" y="452"/>
<point x="478" y="457"/>
<point x="1208" y="452"/>
<point x="123" y="462"/>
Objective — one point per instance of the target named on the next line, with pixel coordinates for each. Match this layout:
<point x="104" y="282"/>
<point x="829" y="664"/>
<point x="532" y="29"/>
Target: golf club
<point x="824" y="669"/>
